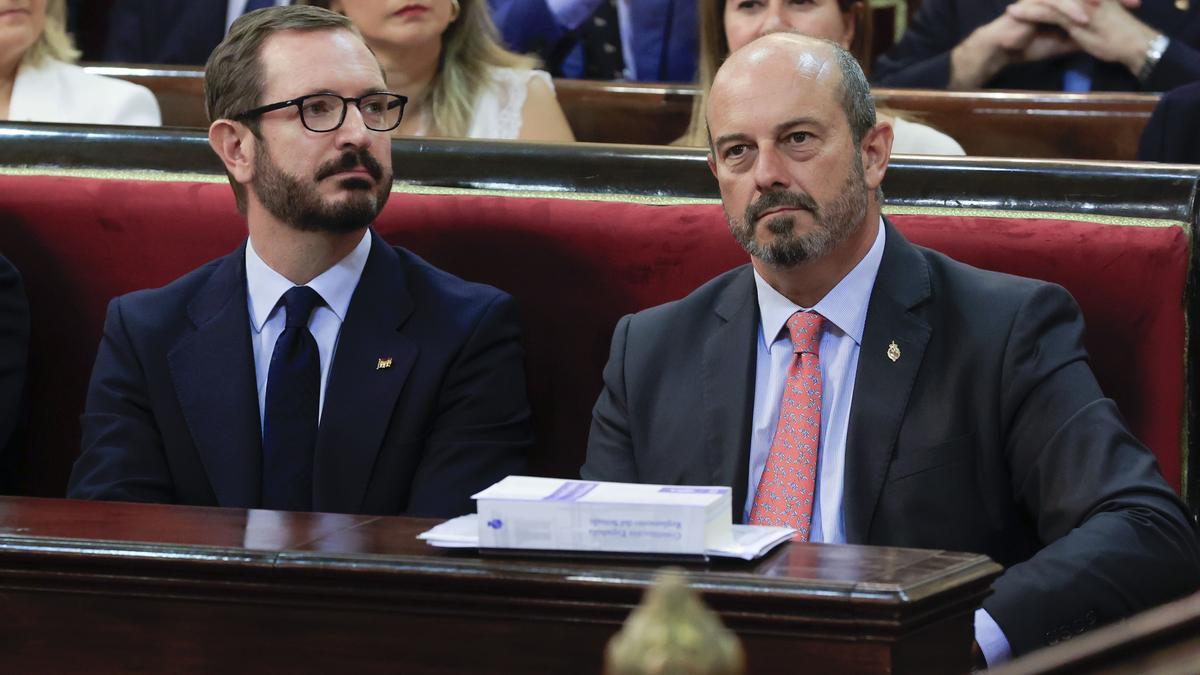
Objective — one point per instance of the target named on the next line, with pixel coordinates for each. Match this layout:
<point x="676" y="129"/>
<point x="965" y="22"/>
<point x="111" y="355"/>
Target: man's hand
<point x="1103" y="28"/>
<point x="1026" y="32"/>
<point x="1005" y="41"/>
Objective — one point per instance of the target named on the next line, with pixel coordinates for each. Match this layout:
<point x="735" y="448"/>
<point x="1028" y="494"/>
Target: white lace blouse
<point x="498" y="107"/>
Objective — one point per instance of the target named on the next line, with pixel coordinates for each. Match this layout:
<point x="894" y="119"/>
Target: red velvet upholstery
<point x="574" y="266"/>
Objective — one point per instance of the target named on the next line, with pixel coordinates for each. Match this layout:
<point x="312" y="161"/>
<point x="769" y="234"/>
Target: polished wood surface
<point x="1162" y="640"/>
<point x="109" y="587"/>
<point x="1101" y="125"/>
<point x="1048" y="125"/>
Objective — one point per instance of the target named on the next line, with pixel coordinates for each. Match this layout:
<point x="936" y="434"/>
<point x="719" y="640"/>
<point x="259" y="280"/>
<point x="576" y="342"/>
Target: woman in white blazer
<point x="39" y="81"/>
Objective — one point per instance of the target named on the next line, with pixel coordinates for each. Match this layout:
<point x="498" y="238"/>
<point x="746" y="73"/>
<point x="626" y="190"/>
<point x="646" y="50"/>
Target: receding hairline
<point x="352" y="32"/>
<point x="787" y="44"/>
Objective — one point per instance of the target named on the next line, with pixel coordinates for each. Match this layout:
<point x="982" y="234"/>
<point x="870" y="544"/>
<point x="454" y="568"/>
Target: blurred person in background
<point x="728" y="25"/>
<point x="40" y="83"/>
<point x="171" y="32"/>
<point x="643" y="40"/>
<point x="1055" y="45"/>
<point x="445" y="57"/>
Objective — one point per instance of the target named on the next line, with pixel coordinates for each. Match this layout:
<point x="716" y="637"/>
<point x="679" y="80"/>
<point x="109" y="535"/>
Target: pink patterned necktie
<point x="788" y="484"/>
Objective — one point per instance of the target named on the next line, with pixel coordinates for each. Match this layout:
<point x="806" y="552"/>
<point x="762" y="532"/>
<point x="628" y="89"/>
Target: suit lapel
<point x="883" y="385"/>
<point x="361" y="393"/>
<point x="728" y="386"/>
<point x="213" y="373"/>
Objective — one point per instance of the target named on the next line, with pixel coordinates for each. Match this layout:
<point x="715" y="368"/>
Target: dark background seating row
<point x="988" y="123"/>
<point x="578" y="259"/>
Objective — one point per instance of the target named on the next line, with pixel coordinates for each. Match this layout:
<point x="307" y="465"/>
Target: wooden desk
<point x="95" y="587"/>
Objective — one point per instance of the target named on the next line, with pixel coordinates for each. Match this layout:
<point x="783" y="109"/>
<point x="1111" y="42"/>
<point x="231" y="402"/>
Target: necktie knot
<point x="805" y="331"/>
<point x="299" y="302"/>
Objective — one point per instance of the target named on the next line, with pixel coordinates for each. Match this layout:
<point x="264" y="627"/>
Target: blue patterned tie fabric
<point x="292" y="408"/>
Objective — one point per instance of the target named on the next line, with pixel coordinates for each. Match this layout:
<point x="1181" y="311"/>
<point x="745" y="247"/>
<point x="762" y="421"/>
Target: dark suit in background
<point x="664" y="34"/>
<point x="988" y="434"/>
<point x="172" y="410"/>
<point x="922" y="57"/>
<point x="175" y="32"/>
<point x="14" y="351"/>
<point x="1173" y="133"/>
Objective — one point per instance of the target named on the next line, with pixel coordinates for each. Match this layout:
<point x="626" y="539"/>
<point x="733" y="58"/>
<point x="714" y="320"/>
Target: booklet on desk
<point x="549" y="514"/>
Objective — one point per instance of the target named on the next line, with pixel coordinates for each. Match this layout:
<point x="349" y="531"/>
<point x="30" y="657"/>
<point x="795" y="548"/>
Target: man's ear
<point x="712" y="164"/>
<point x="234" y="144"/>
<point x="876" y="151"/>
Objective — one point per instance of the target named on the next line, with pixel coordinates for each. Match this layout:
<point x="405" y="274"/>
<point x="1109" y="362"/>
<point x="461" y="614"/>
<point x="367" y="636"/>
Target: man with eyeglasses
<point x="316" y="368"/>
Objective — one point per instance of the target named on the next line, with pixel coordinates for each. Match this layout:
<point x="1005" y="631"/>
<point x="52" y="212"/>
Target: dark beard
<point x="299" y="205"/>
<point x="833" y="222"/>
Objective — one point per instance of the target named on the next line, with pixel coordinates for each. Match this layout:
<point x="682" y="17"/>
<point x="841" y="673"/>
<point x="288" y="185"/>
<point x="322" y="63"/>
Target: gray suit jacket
<point x="988" y="434"/>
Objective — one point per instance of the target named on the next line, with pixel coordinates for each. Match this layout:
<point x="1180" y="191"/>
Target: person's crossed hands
<point x="1105" y="29"/>
<point x="1036" y="30"/>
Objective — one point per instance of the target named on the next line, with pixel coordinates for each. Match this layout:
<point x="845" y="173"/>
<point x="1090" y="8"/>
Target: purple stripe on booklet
<point x="570" y="491"/>
<point x="685" y="490"/>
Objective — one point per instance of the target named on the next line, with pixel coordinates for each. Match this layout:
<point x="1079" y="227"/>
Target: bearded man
<point x="316" y="368"/>
<point x="867" y="391"/>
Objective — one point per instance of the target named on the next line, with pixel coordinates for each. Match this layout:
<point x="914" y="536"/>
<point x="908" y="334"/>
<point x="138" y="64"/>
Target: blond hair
<point x="54" y="42"/>
<point x="470" y="49"/>
<point x="714" y="49"/>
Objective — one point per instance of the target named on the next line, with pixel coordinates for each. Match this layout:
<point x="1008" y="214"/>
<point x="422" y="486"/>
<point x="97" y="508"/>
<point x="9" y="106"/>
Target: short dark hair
<point x="857" y="101"/>
<point x="233" y="77"/>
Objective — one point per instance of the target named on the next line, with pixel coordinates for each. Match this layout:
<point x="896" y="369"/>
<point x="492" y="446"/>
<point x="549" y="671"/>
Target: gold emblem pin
<point x="383" y="363"/>
<point x="893" y="352"/>
<point x="1181" y="5"/>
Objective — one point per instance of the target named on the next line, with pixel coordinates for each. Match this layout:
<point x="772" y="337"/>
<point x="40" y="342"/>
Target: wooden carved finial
<point x="673" y="633"/>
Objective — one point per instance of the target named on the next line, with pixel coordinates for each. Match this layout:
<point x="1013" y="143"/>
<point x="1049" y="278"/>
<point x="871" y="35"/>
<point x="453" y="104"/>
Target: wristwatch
<point x="1154" y="54"/>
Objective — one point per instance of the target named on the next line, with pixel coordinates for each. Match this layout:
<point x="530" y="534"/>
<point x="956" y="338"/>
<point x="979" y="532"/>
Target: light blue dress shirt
<point x="265" y="287"/>
<point x="845" y="312"/>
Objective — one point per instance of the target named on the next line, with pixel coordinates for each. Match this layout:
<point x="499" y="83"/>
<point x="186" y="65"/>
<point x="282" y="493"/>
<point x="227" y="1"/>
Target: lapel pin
<point x="893" y="352"/>
<point x="1181" y="5"/>
<point x="383" y="363"/>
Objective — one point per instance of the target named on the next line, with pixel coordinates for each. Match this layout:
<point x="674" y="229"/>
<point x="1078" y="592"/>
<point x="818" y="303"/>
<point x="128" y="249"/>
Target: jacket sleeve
<point x="1116" y="539"/>
<point x="14" y="347"/>
<point x="483" y="429"/>
<point x="922" y="57"/>
<point x="610" y="444"/>
<point x="122" y="457"/>
<point x="527" y="25"/>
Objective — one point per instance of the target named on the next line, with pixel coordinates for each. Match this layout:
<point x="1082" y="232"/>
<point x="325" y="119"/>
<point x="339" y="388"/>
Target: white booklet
<point x="747" y="542"/>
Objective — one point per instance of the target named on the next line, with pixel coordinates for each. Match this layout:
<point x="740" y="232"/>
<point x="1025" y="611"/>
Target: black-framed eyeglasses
<point x="381" y="111"/>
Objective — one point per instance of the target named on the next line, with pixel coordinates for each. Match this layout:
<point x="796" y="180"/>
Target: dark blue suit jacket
<point x="14" y="351"/>
<point x="172" y="409"/>
<point x="922" y="57"/>
<point x="1173" y="135"/>
<point x="664" y="36"/>
<point x="177" y="32"/>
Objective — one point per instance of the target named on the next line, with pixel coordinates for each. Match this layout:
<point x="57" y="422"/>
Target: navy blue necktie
<point x="292" y="408"/>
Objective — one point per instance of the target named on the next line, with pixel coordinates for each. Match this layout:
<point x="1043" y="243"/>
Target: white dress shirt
<point x="264" y="289"/>
<point x="845" y="312"/>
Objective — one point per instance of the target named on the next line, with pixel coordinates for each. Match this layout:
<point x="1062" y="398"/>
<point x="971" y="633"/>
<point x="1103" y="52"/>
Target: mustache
<point x="780" y="198"/>
<point x="350" y="160"/>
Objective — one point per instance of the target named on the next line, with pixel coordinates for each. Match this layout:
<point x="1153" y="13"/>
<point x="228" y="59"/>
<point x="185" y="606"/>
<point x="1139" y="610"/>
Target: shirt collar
<point x="335" y="285"/>
<point x="845" y="306"/>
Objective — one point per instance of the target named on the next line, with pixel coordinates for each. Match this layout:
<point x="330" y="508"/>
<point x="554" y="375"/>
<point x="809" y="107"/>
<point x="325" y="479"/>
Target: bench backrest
<point x="575" y="265"/>
<point x="1101" y="125"/>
